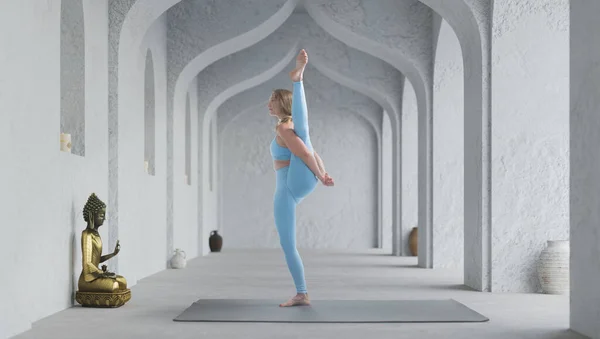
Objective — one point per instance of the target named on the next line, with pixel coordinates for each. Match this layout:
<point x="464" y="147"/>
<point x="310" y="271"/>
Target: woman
<point x="297" y="169"/>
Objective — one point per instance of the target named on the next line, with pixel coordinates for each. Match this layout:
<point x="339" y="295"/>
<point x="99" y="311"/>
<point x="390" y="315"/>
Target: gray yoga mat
<point x="330" y="311"/>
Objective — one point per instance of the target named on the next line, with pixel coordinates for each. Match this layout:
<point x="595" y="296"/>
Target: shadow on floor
<point x="550" y="334"/>
<point x="375" y="265"/>
<point x="447" y="287"/>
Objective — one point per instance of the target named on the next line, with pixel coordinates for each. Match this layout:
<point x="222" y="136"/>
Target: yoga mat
<point x="330" y="311"/>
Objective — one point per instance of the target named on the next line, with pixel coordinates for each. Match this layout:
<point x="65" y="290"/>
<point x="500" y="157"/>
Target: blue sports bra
<point x="279" y="152"/>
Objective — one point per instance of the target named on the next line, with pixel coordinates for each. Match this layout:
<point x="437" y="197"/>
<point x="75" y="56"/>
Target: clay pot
<point x="413" y="241"/>
<point x="553" y="267"/>
<point x="65" y="142"/>
<point x="178" y="259"/>
<point x="215" y="241"/>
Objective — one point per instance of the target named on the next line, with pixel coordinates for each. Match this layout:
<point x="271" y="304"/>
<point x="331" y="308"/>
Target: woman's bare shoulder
<point x="285" y="126"/>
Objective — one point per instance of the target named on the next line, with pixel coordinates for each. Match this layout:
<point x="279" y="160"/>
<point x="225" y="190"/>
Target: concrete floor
<point x="156" y="300"/>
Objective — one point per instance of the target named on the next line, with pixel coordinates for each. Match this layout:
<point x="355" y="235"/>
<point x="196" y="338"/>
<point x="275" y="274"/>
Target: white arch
<point x="474" y="38"/>
<point x="200" y="62"/>
<point x="255" y="102"/>
<point x="395" y="119"/>
<point x="377" y="129"/>
<point x="141" y="16"/>
<point x="345" y="82"/>
<point x="149" y="113"/>
<point x="73" y="74"/>
<point x="424" y="99"/>
<point x="205" y="125"/>
<point x="190" y="71"/>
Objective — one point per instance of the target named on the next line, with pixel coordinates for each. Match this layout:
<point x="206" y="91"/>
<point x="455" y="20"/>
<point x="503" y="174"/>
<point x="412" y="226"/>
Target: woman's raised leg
<point x="301" y="180"/>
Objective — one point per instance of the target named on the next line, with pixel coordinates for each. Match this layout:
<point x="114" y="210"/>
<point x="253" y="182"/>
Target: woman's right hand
<point x="326" y="180"/>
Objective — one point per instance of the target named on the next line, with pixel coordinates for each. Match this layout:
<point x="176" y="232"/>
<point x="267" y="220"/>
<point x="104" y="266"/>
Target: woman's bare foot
<point x="301" y="61"/>
<point x="301" y="299"/>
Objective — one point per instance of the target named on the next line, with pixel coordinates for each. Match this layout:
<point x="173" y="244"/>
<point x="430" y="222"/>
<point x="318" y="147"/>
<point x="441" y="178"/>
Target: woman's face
<point x="273" y="106"/>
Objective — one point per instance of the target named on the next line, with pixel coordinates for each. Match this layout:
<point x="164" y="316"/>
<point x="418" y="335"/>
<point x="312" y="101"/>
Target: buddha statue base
<point x="103" y="300"/>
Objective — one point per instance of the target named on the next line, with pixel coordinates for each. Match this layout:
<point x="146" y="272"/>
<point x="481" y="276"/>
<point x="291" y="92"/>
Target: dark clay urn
<point x="215" y="241"/>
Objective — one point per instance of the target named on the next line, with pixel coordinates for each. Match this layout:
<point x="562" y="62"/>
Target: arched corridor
<point x="452" y="120"/>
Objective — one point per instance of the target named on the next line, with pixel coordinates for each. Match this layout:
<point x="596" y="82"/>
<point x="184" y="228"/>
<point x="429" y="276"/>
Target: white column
<point x="585" y="167"/>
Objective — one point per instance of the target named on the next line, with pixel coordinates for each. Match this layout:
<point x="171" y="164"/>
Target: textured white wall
<point x="402" y="26"/>
<point x="386" y="183"/>
<point x="448" y="159"/>
<point x="117" y="11"/>
<point x="150" y="199"/>
<point x="361" y="71"/>
<point x="530" y="137"/>
<point x="384" y="84"/>
<point x="341" y="217"/>
<point x="470" y="20"/>
<point x="585" y="167"/>
<point x="75" y="177"/>
<point x="410" y="174"/>
<point x="142" y="197"/>
<point x="44" y="190"/>
<point x="368" y="26"/>
<point x="149" y="114"/>
<point x="129" y="23"/>
<point x="191" y="50"/>
<point x="72" y="74"/>
<point x="185" y="197"/>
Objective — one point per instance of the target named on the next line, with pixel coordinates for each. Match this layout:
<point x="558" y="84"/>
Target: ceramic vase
<point x="65" y="142"/>
<point x="553" y="267"/>
<point x="215" y="241"/>
<point x="178" y="259"/>
<point x="413" y="241"/>
<point x="146" y="167"/>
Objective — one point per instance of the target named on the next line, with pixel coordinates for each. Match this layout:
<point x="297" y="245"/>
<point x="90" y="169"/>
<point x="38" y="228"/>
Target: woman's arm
<point x="320" y="163"/>
<point x="299" y="149"/>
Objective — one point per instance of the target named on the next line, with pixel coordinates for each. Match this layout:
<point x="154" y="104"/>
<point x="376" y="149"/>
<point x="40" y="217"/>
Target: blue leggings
<point x="294" y="183"/>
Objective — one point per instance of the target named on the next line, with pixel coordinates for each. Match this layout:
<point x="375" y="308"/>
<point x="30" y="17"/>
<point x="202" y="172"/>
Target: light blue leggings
<point x="294" y="183"/>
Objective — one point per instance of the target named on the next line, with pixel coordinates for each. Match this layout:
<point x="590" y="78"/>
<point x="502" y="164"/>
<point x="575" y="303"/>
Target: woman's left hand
<point x="327" y="180"/>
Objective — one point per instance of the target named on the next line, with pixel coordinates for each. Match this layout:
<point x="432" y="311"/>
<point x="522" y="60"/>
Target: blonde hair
<point x="283" y="97"/>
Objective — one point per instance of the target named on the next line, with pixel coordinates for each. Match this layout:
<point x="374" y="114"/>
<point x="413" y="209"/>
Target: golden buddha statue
<point x="96" y="287"/>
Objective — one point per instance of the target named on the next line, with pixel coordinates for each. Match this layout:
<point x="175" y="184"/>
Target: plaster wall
<point x="142" y="197"/>
<point x="185" y="204"/>
<point x="252" y="99"/>
<point x="191" y="50"/>
<point x="72" y="92"/>
<point x="471" y="21"/>
<point x="410" y="173"/>
<point x="368" y="27"/>
<point x="118" y="52"/>
<point x="386" y="183"/>
<point x="338" y="61"/>
<point x="402" y="26"/>
<point x="585" y="167"/>
<point x="530" y="145"/>
<point x="324" y="219"/>
<point x="213" y="83"/>
<point x="150" y="195"/>
<point x="44" y="189"/>
<point x="448" y="160"/>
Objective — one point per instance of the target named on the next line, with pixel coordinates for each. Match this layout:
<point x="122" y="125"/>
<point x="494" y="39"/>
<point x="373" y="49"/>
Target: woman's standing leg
<point x="285" y="221"/>
<point x="284" y="206"/>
